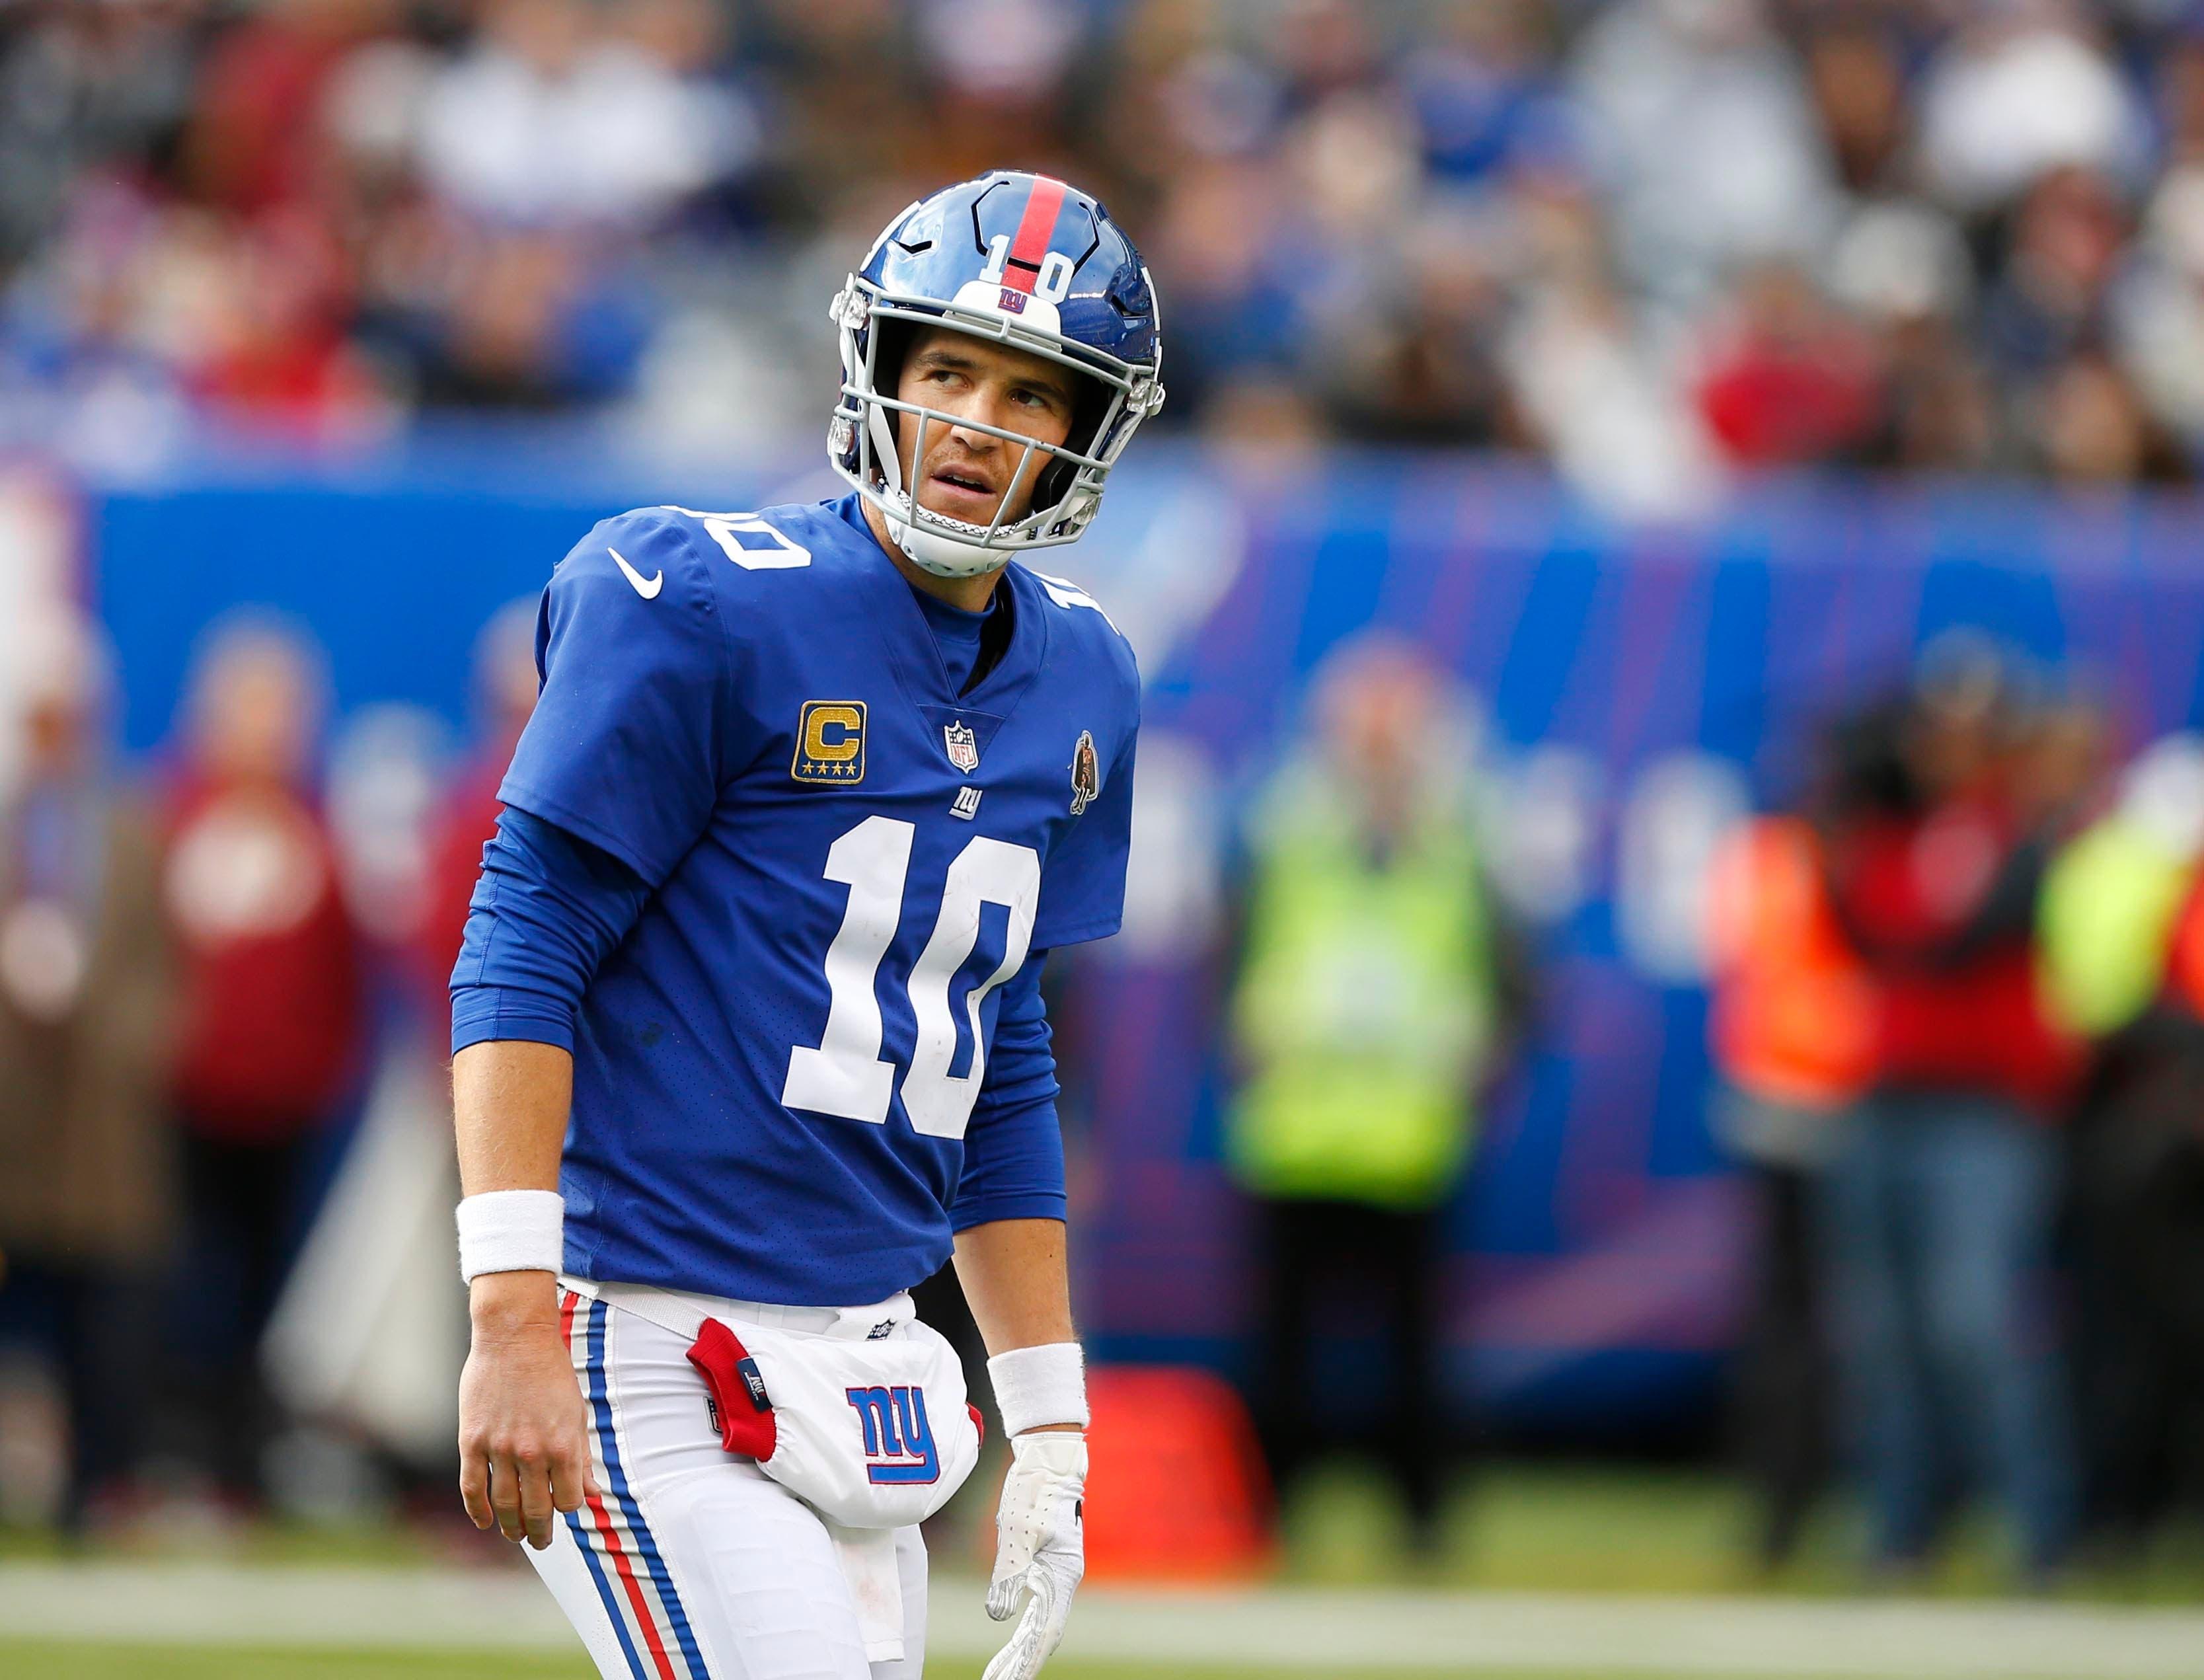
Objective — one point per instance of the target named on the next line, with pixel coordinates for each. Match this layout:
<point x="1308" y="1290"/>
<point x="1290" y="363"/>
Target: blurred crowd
<point x="1657" y="242"/>
<point x="1959" y="1012"/>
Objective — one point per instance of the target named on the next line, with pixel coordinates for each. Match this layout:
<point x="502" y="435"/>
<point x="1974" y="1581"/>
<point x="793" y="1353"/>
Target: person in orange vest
<point x="1793" y="1031"/>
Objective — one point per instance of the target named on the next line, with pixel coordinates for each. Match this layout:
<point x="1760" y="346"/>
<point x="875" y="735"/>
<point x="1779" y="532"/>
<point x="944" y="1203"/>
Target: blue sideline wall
<point x="1599" y="1252"/>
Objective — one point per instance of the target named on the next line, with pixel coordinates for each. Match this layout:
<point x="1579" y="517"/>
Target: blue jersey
<point x="847" y="859"/>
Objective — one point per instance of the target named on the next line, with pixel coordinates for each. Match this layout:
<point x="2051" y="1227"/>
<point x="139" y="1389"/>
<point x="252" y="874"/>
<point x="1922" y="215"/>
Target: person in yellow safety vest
<point x="2122" y="953"/>
<point x="2109" y="919"/>
<point x="1375" y="984"/>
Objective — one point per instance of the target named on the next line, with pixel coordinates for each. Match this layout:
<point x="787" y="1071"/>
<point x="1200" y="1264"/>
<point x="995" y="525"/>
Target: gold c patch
<point x="830" y="742"/>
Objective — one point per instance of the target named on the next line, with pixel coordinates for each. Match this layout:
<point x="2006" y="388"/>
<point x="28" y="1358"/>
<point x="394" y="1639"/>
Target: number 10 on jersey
<point x="845" y="1074"/>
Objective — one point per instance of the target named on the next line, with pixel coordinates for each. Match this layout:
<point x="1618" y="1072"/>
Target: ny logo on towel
<point x="898" y="1440"/>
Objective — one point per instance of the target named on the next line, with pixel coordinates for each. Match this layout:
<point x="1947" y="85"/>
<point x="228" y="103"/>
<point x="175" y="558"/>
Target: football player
<point x="747" y="1031"/>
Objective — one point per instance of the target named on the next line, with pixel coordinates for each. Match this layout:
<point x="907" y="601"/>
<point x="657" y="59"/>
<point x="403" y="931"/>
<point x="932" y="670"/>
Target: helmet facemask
<point x="1068" y="477"/>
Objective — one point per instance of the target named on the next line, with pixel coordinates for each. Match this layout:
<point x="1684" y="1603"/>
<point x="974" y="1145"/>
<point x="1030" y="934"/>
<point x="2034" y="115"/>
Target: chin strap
<point x="937" y="552"/>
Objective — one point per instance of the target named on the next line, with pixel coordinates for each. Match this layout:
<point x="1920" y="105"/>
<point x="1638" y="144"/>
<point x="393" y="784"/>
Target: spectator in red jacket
<point x="272" y="1013"/>
<point x="1939" y="1205"/>
<point x="1789" y="381"/>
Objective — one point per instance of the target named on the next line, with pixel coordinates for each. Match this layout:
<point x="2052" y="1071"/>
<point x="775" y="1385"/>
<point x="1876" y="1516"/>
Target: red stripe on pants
<point x="613" y="1549"/>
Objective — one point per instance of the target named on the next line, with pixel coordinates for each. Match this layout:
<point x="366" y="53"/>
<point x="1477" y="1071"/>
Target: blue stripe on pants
<point x="574" y="1520"/>
<point x="638" y="1530"/>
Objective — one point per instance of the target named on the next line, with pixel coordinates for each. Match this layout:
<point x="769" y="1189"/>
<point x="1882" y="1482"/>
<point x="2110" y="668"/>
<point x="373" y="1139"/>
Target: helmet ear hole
<point x="1090" y="402"/>
<point x="895" y="340"/>
<point x="896" y="337"/>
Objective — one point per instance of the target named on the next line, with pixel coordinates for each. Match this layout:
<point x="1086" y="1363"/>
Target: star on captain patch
<point x="963" y="746"/>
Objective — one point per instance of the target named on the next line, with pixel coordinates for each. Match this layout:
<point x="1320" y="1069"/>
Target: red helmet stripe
<point x="1035" y="229"/>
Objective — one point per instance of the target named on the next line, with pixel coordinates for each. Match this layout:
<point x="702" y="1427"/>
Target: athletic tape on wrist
<point x="1037" y="1386"/>
<point x="512" y="1230"/>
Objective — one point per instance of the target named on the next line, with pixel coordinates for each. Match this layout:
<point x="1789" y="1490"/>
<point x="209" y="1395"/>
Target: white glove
<point x="1040" y="1548"/>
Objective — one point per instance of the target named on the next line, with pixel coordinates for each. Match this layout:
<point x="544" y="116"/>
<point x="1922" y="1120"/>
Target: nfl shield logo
<point x="963" y="746"/>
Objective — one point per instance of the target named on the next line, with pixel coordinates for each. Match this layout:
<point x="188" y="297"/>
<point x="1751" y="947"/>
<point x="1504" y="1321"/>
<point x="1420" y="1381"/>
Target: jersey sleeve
<point x="634" y="730"/>
<point x="546" y="911"/>
<point x="1082" y="885"/>
<point x="1013" y="1146"/>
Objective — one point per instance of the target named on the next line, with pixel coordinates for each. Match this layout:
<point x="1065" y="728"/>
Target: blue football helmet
<point x="1031" y="263"/>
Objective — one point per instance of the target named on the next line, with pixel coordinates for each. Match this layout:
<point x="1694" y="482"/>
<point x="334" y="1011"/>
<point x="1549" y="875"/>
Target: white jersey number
<point x="749" y="541"/>
<point x="845" y="1074"/>
<point x="1051" y="285"/>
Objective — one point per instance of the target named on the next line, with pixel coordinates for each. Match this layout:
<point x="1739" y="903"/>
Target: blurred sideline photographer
<point x="1938" y="1204"/>
<point x="87" y="1189"/>
<point x="272" y="1017"/>
<point x="1375" y="986"/>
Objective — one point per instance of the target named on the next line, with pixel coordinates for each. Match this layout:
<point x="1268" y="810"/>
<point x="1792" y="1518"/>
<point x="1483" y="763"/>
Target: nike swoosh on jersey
<point x="647" y="588"/>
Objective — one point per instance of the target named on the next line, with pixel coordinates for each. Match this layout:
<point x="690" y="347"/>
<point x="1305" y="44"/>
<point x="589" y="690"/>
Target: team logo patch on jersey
<point x="1085" y="774"/>
<point x="963" y="745"/>
<point x="830" y="742"/>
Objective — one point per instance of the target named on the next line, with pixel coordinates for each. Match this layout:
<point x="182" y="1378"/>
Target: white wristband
<point x="1036" y="1386"/>
<point x="512" y="1230"/>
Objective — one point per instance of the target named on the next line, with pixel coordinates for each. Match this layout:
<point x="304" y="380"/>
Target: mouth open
<point x="962" y="494"/>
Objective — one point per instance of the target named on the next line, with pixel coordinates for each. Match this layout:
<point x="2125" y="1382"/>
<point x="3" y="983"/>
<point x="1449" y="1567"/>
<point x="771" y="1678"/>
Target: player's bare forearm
<point x="1017" y="1282"/>
<point x="509" y="1103"/>
<point x="523" y="1445"/>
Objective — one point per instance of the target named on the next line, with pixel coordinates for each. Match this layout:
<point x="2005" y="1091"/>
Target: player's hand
<point x="523" y="1426"/>
<point x="1040" y="1548"/>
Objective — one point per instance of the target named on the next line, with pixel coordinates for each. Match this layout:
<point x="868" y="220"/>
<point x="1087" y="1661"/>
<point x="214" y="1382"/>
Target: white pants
<point x="690" y="1563"/>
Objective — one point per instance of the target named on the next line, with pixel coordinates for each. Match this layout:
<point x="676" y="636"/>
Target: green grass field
<point x="1589" y="1529"/>
<point x="1607" y="1529"/>
<point x="90" y="1662"/>
<point x="1576" y="1527"/>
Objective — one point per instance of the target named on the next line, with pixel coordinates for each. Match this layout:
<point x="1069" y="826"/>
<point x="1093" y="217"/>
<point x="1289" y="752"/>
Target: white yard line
<point x="1281" y="1629"/>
